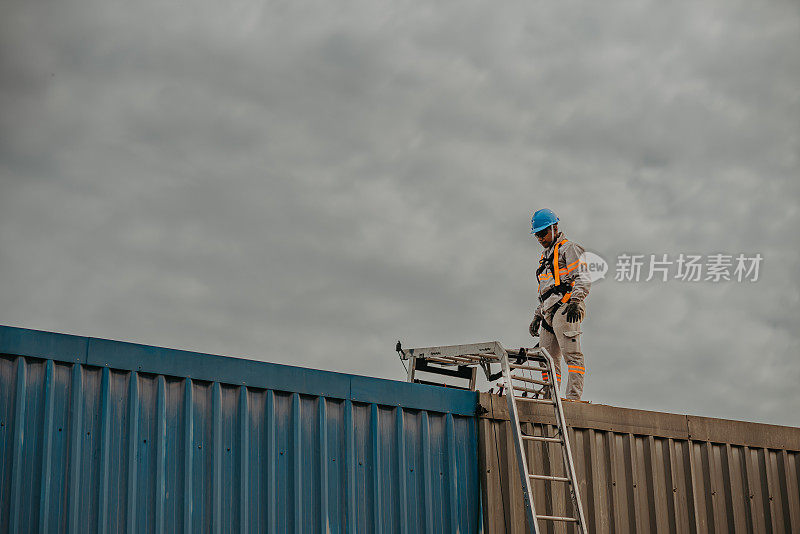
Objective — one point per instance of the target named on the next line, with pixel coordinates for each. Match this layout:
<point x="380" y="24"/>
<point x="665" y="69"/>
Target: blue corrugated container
<point x="99" y="436"/>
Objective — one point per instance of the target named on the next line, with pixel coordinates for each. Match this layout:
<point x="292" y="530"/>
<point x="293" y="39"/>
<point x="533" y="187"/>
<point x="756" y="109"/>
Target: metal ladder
<point x="518" y="388"/>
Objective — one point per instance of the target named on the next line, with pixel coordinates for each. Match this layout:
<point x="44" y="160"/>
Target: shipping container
<point x="643" y="471"/>
<point x="104" y="436"/>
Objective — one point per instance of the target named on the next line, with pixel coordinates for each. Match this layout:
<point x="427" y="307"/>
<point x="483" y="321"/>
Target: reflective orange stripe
<point x="577" y="369"/>
<point x="555" y="262"/>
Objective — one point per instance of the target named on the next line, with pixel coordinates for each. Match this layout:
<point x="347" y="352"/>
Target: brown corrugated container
<point x="642" y="471"/>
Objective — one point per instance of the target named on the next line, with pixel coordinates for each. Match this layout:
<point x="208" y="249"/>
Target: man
<point x="563" y="286"/>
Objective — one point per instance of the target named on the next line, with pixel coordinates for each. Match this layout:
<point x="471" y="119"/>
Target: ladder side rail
<point x="567" y="450"/>
<point x="519" y="446"/>
<point x="412" y="367"/>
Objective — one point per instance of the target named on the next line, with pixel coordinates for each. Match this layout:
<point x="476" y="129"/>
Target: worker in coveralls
<point x="563" y="285"/>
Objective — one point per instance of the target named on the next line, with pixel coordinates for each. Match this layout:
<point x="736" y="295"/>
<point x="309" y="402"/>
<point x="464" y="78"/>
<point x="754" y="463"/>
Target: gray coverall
<point x="565" y="339"/>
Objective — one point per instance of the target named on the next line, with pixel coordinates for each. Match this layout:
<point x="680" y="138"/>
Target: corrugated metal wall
<point x="99" y="436"/>
<point x="646" y="471"/>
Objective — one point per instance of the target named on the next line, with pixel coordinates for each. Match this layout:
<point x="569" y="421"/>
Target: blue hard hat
<point x="542" y="219"/>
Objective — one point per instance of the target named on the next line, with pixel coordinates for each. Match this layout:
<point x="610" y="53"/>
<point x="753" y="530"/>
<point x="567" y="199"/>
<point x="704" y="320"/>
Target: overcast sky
<point x="308" y="182"/>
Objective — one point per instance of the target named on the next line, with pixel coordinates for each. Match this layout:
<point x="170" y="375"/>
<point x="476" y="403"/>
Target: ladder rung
<point x="530" y="380"/>
<point x="439" y="360"/>
<point x="460" y="358"/>
<point x="542" y="438"/>
<point x="531" y="399"/>
<point x="447" y="360"/>
<point x="478" y="358"/>
<point x="548" y="477"/>
<point x="536" y="357"/>
<point x="557" y="518"/>
<point x="529" y="390"/>
<point x="525" y="367"/>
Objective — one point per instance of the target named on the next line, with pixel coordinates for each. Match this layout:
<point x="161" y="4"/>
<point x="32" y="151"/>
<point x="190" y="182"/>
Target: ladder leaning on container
<point x="456" y="360"/>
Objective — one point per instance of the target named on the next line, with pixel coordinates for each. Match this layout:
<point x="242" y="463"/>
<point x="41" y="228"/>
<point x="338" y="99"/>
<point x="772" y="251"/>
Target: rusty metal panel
<point x="644" y="471"/>
<point x="99" y="436"/>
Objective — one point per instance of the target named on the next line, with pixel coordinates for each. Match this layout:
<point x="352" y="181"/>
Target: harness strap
<point x="547" y="327"/>
<point x="556" y="270"/>
<point x="564" y="289"/>
<point x="567" y="295"/>
<point x="544" y="323"/>
<point x="543" y="262"/>
<point x="557" y="274"/>
<point x="558" y="287"/>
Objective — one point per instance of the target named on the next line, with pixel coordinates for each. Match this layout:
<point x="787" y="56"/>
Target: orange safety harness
<point x="558" y="287"/>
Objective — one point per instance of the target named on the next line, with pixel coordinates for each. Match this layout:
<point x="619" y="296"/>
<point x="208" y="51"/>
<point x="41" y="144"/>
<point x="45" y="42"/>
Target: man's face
<point x="546" y="236"/>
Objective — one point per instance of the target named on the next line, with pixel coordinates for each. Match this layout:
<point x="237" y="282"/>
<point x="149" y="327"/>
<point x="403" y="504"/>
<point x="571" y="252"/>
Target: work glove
<point x="534" y="328"/>
<point x="573" y="312"/>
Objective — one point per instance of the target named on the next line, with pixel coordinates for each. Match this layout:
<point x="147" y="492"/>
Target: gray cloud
<point x="307" y="182"/>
